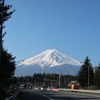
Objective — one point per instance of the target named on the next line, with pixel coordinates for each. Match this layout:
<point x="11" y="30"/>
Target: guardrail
<point x="82" y="91"/>
<point x="13" y="97"/>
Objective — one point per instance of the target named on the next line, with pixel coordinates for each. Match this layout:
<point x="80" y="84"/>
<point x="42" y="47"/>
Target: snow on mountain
<point x="48" y="62"/>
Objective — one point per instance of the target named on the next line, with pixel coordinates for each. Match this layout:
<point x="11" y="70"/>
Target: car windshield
<point x="44" y="86"/>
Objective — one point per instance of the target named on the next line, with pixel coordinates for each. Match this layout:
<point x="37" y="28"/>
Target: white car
<point x="43" y="88"/>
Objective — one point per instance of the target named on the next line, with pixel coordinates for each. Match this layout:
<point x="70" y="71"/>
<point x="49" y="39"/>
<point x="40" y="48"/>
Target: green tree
<point x="44" y="75"/>
<point x="7" y="67"/>
<point x="86" y="74"/>
<point x="4" y="16"/>
<point x="97" y="76"/>
<point x="7" y="63"/>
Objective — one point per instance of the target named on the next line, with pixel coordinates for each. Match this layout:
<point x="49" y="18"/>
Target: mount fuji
<point x="49" y="61"/>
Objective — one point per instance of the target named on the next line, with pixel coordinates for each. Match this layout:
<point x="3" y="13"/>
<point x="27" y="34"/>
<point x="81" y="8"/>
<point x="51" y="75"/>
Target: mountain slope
<point x="47" y="62"/>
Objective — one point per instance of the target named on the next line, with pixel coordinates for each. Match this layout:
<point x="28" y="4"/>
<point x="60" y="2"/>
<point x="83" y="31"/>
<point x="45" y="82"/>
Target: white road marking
<point x="44" y="95"/>
<point x="47" y="97"/>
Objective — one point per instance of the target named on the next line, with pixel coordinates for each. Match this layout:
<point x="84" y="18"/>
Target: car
<point x="21" y="86"/>
<point x="43" y="88"/>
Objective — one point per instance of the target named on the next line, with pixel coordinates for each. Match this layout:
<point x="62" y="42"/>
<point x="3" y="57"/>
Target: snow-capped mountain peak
<point x="50" y="58"/>
<point x="48" y="62"/>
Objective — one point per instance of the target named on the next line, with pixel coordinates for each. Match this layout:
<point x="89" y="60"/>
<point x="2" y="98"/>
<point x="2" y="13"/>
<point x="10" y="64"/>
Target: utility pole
<point x="59" y="76"/>
<point x="88" y="77"/>
<point x="59" y="81"/>
<point x="4" y="16"/>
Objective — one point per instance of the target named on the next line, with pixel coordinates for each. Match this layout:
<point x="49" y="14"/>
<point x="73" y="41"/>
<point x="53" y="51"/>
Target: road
<point x="55" y="95"/>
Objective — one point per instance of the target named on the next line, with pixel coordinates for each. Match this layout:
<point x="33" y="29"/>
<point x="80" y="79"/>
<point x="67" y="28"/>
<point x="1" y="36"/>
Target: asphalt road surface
<point x="55" y="95"/>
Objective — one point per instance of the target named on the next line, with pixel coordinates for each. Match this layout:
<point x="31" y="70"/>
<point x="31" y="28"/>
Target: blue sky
<point x="70" y="26"/>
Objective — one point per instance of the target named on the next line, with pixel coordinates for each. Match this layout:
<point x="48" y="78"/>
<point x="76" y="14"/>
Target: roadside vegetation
<point x="89" y="76"/>
<point x="7" y="61"/>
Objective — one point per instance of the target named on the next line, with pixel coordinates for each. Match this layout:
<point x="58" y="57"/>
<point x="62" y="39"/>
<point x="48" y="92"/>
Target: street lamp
<point x="19" y="61"/>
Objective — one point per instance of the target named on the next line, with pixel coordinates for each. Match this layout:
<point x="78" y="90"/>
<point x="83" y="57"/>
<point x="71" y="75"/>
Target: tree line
<point x="64" y="79"/>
